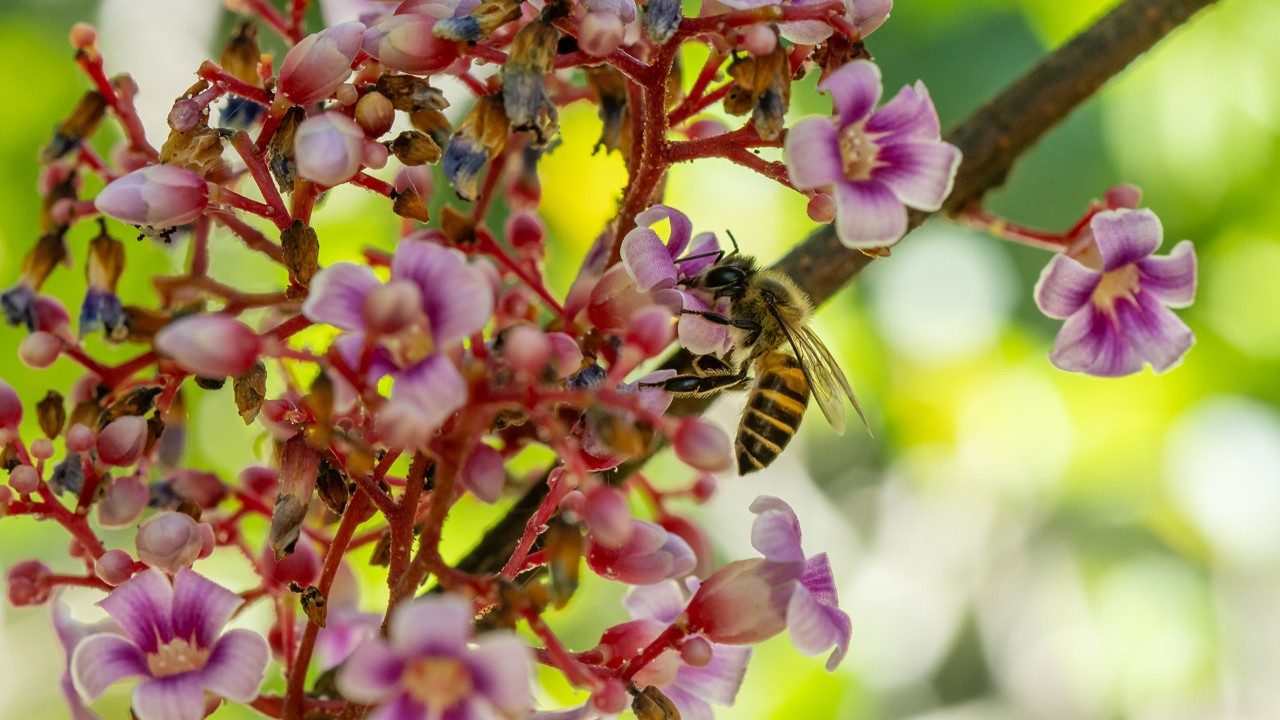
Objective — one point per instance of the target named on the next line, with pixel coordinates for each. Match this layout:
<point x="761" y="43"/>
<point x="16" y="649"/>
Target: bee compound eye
<point x="724" y="277"/>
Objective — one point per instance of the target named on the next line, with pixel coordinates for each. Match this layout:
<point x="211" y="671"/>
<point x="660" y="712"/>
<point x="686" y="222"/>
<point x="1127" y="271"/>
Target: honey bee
<point x="768" y="320"/>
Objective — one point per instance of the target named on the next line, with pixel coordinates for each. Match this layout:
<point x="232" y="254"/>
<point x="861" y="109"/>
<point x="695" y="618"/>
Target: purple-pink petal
<point x="776" y="530"/>
<point x="501" y="670"/>
<point x="101" y="660"/>
<point x="1157" y="335"/>
<point x="371" y="673"/>
<point x="235" y="668"/>
<point x="681" y="227"/>
<point x="696" y="334"/>
<point x="337" y="295"/>
<point x="855" y="90"/>
<point x="908" y="117"/>
<point x="814" y="627"/>
<point x="433" y="387"/>
<point x="1125" y="236"/>
<point x="662" y="602"/>
<point x="200" y="607"/>
<point x="691" y="706"/>
<point x="143" y="606"/>
<point x="719" y="680"/>
<point x="701" y="255"/>
<point x="1091" y="342"/>
<point x="175" y="697"/>
<point x="819" y="580"/>
<point x="812" y="152"/>
<point x="431" y="626"/>
<point x="646" y="260"/>
<point x="457" y="298"/>
<point x="1065" y="286"/>
<point x="868" y="214"/>
<point x="402" y="708"/>
<point x="919" y="173"/>
<point x="1171" y="278"/>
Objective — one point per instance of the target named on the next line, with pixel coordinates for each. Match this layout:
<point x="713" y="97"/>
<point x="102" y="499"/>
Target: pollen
<point x="1119" y="284"/>
<point x="859" y="151"/>
<point x="438" y="682"/>
<point x="175" y="657"/>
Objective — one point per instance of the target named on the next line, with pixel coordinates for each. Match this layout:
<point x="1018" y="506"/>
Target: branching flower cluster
<point x="410" y="382"/>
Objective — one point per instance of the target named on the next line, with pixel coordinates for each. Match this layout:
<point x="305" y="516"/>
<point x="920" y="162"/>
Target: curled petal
<point x="1172" y="279"/>
<point x="1157" y="335"/>
<point x="337" y="295"/>
<point x="1091" y="342"/>
<point x="719" y="680"/>
<point x="701" y="255"/>
<point x="812" y="151"/>
<point x="815" y="627"/>
<point x="776" y="530"/>
<point x="855" y="90"/>
<point x="175" y="697"/>
<point x="868" y="214"/>
<point x="698" y="335"/>
<point x="1065" y="286"/>
<point x="1125" y="236"/>
<point x="100" y="661"/>
<point x="431" y="626"/>
<point x="909" y="117"/>
<point x="201" y="607"/>
<point x="920" y="174"/>
<point x="647" y="260"/>
<point x="681" y="228"/>
<point x="235" y="668"/>
<point x="430" y="391"/>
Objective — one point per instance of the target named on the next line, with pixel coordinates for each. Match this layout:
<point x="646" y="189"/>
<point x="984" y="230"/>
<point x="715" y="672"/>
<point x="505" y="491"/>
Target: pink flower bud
<point x="199" y="486"/>
<point x="600" y="33"/>
<point x="705" y="128"/>
<point x="10" y="410"/>
<point x="317" y="65"/>
<point x="121" y="442"/>
<point x="114" y="567"/>
<point x="418" y="178"/>
<point x="169" y="540"/>
<point x="79" y="438"/>
<point x="526" y="349"/>
<point x="608" y="516"/>
<point x="1123" y="196"/>
<point x="744" y="602"/>
<point x="185" y="115"/>
<point x="392" y="307"/>
<point x="24" y="479"/>
<point x="39" y="349"/>
<point x="262" y="482"/>
<point x="83" y="36"/>
<point x="123" y="502"/>
<point x="525" y="229"/>
<point x="651" y="330"/>
<point x="374" y="155"/>
<point x="651" y="555"/>
<point x="42" y="449"/>
<point x="29" y="583"/>
<point x="346" y="94"/>
<point x="301" y="566"/>
<point x="328" y="148"/>
<point x="157" y="196"/>
<point x="822" y="208"/>
<point x="565" y="353"/>
<point x="405" y="43"/>
<point x="702" y="446"/>
<point x="759" y="39"/>
<point x="484" y="473"/>
<point x="51" y="316"/>
<point x="375" y="114"/>
<point x="611" y="699"/>
<point x="210" y="345"/>
<point x="696" y="651"/>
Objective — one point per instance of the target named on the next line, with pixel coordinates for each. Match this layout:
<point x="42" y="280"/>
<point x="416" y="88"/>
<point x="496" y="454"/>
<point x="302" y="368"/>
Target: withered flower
<point x="80" y="124"/>
<point x="19" y="302"/>
<point x="662" y="19"/>
<point x="250" y="389"/>
<point x="413" y="147"/>
<point x="410" y="94"/>
<point x="301" y="248"/>
<point x="610" y="88"/>
<point x="482" y="135"/>
<point x="761" y="86"/>
<point x="102" y="309"/>
<point x="524" y="91"/>
<point x="479" y="23"/>
<point x="280" y="151"/>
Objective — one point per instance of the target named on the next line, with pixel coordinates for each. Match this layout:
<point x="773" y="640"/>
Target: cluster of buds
<point x="448" y="357"/>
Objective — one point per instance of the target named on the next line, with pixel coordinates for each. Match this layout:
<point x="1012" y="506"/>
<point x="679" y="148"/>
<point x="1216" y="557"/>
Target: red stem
<point x="261" y="176"/>
<point x="123" y="108"/>
<point x="214" y="73"/>
<point x="249" y="235"/>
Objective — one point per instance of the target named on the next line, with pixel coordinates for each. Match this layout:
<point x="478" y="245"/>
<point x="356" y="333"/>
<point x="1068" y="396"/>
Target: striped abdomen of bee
<point x="775" y="406"/>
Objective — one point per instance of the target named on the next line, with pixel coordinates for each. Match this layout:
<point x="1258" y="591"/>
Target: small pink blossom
<point x="317" y="65"/>
<point x="171" y="541"/>
<point x="328" y="148"/>
<point x="650" y="554"/>
<point x="210" y="345"/>
<point x="157" y="196"/>
<point x="1115" y="295"/>
<point x="874" y="162"/>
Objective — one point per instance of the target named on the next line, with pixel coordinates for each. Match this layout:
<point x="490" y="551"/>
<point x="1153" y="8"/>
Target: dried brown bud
<point x="301" y="248"/>
<point x="564" y="558"/>
<point x="480" y="23"/>
<point x="198" y="149"/>
<point x="433" y="123"/>
<point x="138" y="401"/>
<point x="52" y="414"/>
<point x="250" y="390"/>
<point x="481" y="136"/>
<point x="457" y="226"/>
<point x="143" y="323"/>
<point x="280" y="149"/>
<point x="320" y="399"/>
<point x="241" y="55"/>
<point x="621" y="434"/>
<point x="652" y="704"/>
<point x="64" y="185"/>
<point x="84" y="413"/>
<point x="381" y="556"/>
<point x="374" y="114"/>
<point x="408" y="204"/>
<point x="80" y="124"/>
<point x="524" y="92"/>
<point x="332" y="488"/>
<point x="299" y="466"/>
<point x="411" y="94"/>
<point x="761" y="86"/>
<point x="106" y="261"/>
<point x="412" y="147"/>
<point x="610" y="88"/>
<point x="9" y="458"/>
<point x="40" y="260"/>
<point x="210" y="383"/>
<point x="155" y="431"/>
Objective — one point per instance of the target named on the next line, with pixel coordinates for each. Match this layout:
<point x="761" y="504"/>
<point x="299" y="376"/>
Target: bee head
<point x="730" y="276"/>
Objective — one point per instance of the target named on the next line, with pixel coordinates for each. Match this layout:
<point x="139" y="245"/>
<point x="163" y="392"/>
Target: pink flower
<point x="171" y="640"/>
<point x="429" y="666"/>
<point x="1115" y="296"/>
<point x="157" y="196"/>
<point x="749" y="601"/>
<point x="875" y="163"/>
<point x="649" y="554"/>
<point x="455" y="300"/>
<point x="317" y="65"/>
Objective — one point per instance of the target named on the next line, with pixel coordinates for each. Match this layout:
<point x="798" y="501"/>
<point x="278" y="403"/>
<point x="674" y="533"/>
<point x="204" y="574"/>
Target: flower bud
<point x="608" y="516"/>
<point x="121" y="442"/>
<point x="651" y="330"/>
<point x="600" y="33"/>
<point x="83" y="36"/>
<point x="611" y="699"/>
<point x="392" y="307"/>
<point x="113" y="567"/>
<point x="10" y="411"/>
<point x="157" y="195"/>
<point x="702" y="446"/>
<point x="375" y="114"/>
<point x="24" y="479"/>
<point x="1123" y="196"/>
<point x="696" y="651"/>
<point x="406" y="43"/>
<point x="526" y="349"/>
<point x="328" y="148"/>
<point x="704" y="487"/>
<point x="317" y="65"/>
<point x="525" y="230"/>
<point x="262" y="482"/>
<point x="697" y="538"/>
<point x="744" y="602"/>
<point x="418" y="179"/>
<point x="346" y="94"/>
<point x="39" y="349"/>
<point x="650" y="555"/>
<point x="210" y="345"/>
<point x="484" y="473"/>
<point x="42" y="449"/>
<point x="374" y="156"/>
<point x="79" y="438"/>
<point x="29" y="583"/>
<point x="123" y="501"/>
<point x="565" y="353"/>
<point x="302" y="566"/>
<point x="759" y="39"/>
<point x="822" y="208"/>
<point x="169" y="541"/>
<point x="199" y="486"/>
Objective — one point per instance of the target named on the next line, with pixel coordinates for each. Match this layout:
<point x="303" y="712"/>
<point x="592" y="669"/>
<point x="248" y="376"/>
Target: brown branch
<point x="992" y="140"/>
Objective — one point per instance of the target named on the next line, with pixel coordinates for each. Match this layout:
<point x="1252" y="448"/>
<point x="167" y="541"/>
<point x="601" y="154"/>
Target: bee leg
<point x="738" y="322"/>
<point x="700" y="385"/>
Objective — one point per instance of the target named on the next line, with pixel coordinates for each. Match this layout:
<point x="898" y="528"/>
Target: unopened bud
<point x="301" y="567"/>
<point x="696" y="651"/>
<point x="375" y="114"/>
<point x="1123" y="196"/>
<point x="375" y="155"/>
<point x="42" y="449"/>
<point x="328" y="148"/>
<point x="702" y="446"/>
<point x="413" y="147"/>
<point x="484" y="474"/>
<point x="608" y="516"/>
<point x="210" y="345"/>
<point x="651" y="330"/>
<point x="29" y="583"/>
<point x="406" y="43"/>
<point x="611" y="698"/>
<point x="10" y="410"/>
<point x="169" y="541"/>
<point x="600" y="33"/>
<point x="121" y="442"/>
<point x="759" y="39"/>
<point x="346" y="94"/>
<point x="525" y="230"/>
<point x="526" y="349"/>
<point x="113" y="567"/>
<point x="24" y="479"/>
<point x="80" y="438"/>
<point x="317" y="65"/>
<point x="566" y="355"/>
<point x="822" y="208"/>
<point x="123" y="501"/>
<point x="83" y="36"/>
<point x="157" y="195"/>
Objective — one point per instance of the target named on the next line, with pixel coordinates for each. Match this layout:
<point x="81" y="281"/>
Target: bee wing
<point x="816" y="368"/>
<point x="832" y="377"/>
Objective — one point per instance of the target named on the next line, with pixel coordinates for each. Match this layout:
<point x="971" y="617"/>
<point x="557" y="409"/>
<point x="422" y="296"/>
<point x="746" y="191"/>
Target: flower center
<point x="176" y="656"/>
<point x="1121" y="283"/>
<point x="437" y="682"/>
<point x="859" y="151"/>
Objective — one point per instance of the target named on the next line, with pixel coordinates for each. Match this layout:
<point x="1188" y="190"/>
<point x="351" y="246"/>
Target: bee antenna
<point x="729" y="232"/>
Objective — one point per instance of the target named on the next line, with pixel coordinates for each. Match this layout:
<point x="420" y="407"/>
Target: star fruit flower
<point x="433" y="301"/>
<point x="1115" y="295"/>
<point x="874" y="162"/>
<point x="172" y="642"/>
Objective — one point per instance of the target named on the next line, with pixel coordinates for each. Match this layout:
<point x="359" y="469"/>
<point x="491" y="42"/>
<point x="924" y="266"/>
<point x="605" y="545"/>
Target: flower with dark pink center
<point x="429" y="666"/>
<point x="173" y="641"/>
<point x="405" y="328"/>
<point x="875" y="163"/>
<point x="1115" y="296"/>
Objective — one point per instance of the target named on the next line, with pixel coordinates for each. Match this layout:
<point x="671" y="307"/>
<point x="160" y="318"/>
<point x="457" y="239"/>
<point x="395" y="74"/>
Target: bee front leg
<point x="703" y="382"/>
